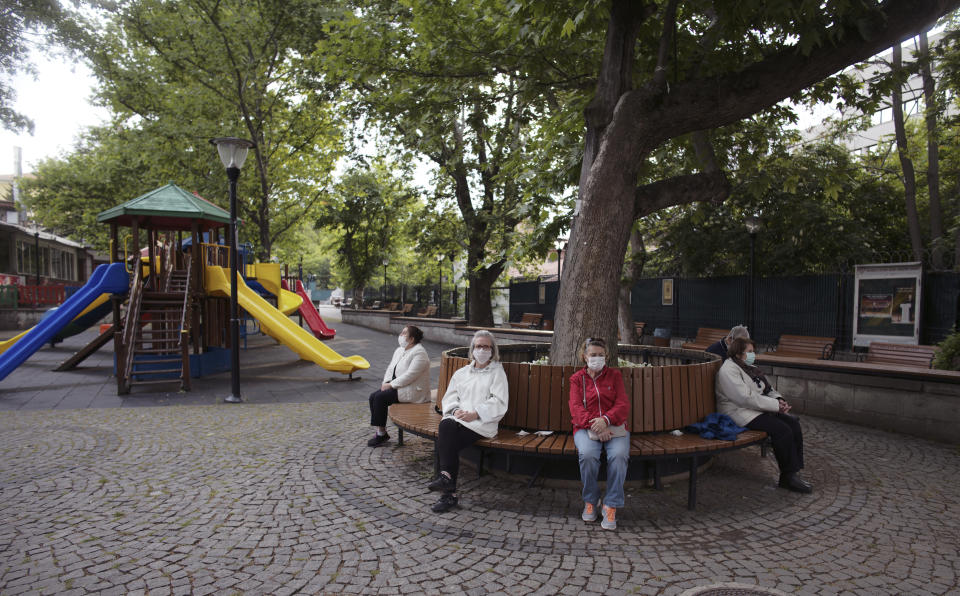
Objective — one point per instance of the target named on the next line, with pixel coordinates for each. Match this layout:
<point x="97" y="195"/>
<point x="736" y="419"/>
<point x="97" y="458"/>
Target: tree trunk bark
<point x="933" y="156"/>
<point x="632" y="270"/>
<point x="481" y="296"/>
<point x="909" y="176"/>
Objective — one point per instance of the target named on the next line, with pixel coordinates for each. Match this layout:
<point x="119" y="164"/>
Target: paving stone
<point x="278" y="497"/>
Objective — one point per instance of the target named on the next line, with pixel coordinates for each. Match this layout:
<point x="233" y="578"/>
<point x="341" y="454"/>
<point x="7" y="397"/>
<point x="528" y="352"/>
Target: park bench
<point x="802" y="346"/>
<point x="900" y="354"/>
<point x="427" y="311"/>
<point x="376" y="305"/>
<point x="406" y="309"/>
<point x="666" y="396"/>
<point x="392" y="306"/>
<point x="706" y="337"/>
<point x="529" y="320"/>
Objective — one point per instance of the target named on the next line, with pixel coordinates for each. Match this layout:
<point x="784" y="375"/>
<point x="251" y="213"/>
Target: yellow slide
<point x="268" y="274"/>
<point x="280" y="327"/>
<point x="92" y="306"/>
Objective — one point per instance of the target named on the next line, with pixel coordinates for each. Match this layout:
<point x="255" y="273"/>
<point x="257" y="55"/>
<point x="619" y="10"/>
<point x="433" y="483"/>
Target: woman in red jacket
<point x="599" y="408"/>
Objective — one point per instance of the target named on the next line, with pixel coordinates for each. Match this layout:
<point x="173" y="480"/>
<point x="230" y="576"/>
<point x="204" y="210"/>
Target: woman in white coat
<point x="407" y="380"/>
<point x="475" y="401"/>
<point x="745" y="395"/>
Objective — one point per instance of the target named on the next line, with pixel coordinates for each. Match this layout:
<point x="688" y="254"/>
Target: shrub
<point x="948" y="356"/>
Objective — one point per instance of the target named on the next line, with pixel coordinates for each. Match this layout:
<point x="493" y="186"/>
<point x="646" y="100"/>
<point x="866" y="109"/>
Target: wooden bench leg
<point x="480" y="464"/>
<point x="692" y="486"/>
<point x="657" y="482"/>
<point x="399" y="437"/>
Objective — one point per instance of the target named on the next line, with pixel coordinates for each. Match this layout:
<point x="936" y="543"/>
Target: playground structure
<point x="171" y="314"/>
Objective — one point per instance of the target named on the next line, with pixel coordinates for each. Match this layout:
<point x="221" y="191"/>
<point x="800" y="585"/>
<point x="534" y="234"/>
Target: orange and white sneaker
<point x="589" y="512"/>
<point x="609" y="521"/>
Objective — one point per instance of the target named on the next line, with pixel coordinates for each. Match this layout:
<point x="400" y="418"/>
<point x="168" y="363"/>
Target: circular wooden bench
<point x="677" y="389"/>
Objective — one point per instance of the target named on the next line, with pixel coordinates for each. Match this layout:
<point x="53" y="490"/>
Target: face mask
<point x="595" y="363"/>
<point x="402" y="340"/>
<point x="750" y="357"/>
<point x="481" y="355"/>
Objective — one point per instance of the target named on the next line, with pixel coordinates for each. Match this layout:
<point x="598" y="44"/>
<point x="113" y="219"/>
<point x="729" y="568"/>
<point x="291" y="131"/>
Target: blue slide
<point x="112" y="279"/>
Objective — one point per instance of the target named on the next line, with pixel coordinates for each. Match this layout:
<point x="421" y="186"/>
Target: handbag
<point x="615" y="431"/>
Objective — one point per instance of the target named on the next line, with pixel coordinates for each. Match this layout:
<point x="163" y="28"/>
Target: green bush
<point x="948" y="356"/>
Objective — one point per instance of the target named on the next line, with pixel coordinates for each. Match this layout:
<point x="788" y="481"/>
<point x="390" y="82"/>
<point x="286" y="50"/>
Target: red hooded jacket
<point x="603" y="396"/>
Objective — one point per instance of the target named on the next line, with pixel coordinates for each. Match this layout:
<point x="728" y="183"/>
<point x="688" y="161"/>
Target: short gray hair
<point x="739" y="331"/>
<point x="493" y="341"/>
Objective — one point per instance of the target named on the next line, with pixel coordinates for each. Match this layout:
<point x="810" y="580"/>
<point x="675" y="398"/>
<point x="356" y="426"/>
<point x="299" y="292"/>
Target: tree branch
<point x="646" y="118"/>
<point x="710" y="187"/>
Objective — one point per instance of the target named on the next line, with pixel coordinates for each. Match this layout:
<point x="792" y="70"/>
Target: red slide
<point x="310" y="314"/>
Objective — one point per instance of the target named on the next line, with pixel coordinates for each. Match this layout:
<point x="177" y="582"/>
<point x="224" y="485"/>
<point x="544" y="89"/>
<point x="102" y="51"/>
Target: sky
<point x="58" y="103"/>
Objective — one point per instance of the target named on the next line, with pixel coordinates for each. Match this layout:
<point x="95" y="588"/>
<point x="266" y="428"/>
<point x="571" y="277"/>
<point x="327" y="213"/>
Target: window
<point x="26" y="258"/>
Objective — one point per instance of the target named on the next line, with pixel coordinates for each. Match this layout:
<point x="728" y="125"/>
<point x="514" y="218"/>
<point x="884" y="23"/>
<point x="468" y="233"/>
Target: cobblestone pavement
<point x="285" y="497"/>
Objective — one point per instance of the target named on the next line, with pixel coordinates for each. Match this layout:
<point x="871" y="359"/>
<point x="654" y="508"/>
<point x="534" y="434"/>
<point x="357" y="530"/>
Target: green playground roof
<point x="168" y="207"/>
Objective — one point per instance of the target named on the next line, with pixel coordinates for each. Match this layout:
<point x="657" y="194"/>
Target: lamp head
<point x="753" y="223"/>
<point x="232" y="150"/>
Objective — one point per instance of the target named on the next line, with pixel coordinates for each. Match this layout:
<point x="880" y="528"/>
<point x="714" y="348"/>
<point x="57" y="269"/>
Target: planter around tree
<point x="676" y="390"/>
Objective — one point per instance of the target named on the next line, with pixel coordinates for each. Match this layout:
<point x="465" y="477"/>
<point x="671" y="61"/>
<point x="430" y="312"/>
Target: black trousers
<point x="379" y="402"/>
<point x="452" y="437"/>
<point x="784" y="431"/>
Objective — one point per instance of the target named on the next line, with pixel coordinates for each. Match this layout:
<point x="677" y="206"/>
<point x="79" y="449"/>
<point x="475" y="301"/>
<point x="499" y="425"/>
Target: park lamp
<point x="233" y="152"/>
<point x="753" y="223"/>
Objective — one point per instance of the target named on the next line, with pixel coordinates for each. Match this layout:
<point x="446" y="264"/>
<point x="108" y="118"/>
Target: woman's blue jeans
<point x="618" y="455"/>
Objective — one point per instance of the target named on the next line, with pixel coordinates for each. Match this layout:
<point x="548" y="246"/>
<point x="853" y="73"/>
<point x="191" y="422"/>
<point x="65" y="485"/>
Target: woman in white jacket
<point x="475" y="401"/>
<point x="407" y="380"/>
<point x="745" y="395"/>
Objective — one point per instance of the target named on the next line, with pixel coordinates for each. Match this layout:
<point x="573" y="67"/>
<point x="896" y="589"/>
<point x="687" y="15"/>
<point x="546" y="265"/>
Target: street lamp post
<point x="384" y="296"/>
<point x="453" y="281"/>
<point x="440" y="291"/>
<point x="36" y="262"/>
<point x="753" y="225"/>
<point x="233" y="152"/>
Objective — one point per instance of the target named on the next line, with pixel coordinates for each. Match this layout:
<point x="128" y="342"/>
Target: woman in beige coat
<point x="745" y="395"/>
<point x="406" y="380"/>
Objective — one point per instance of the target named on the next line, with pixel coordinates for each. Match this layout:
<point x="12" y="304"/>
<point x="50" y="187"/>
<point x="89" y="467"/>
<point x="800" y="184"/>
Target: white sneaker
<point x="609" y="521"/>
<point x="589" y="512"/>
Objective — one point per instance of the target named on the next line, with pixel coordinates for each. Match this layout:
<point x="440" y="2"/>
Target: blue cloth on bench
<point x="716" y="426"/>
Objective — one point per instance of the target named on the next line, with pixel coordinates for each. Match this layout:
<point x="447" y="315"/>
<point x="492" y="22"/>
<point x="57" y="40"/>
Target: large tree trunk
<point x="933" y="155"/>
<point x="906" y="164"/>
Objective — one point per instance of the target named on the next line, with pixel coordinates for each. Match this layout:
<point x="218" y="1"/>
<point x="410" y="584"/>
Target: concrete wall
<point x="449" y="331"/>
<point x="917" y="407"/>
<point x="19" y="319"/>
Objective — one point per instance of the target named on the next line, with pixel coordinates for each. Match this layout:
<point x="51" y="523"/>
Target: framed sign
<point x="666" y="291"/>
<point x="887" y="303"/>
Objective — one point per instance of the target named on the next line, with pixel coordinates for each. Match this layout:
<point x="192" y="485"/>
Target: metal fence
<point x="819" y="305"/>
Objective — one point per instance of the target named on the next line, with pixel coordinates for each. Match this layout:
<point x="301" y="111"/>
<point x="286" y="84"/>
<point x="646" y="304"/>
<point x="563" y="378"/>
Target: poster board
<point x="666" y="292"/>
<point x="887" y="303"/>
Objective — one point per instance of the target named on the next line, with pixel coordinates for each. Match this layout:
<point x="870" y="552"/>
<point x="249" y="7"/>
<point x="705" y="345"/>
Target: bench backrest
<point x="663" y="398"/>
<point x="710" y="335"/>
<point x="907" y="355"/>
<point x="808" y="346"/>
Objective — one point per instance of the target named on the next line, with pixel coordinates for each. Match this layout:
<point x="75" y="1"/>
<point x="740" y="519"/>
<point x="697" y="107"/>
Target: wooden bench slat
<point x="902" y="354"/>
<point x="706" y="337"/>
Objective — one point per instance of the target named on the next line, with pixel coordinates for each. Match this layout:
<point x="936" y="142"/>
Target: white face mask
<point x="402" y="339"/>
<point x="482" y="355"/>
<point x="595" y="363"/>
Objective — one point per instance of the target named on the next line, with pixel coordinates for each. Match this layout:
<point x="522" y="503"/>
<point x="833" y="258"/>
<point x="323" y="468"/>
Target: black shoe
<point x="795" y="483"/>
<point x="446" y="503"/>
<point x="378" y="440"/>
<point x="442" y="484"/>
